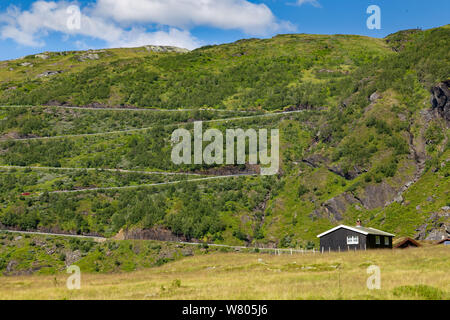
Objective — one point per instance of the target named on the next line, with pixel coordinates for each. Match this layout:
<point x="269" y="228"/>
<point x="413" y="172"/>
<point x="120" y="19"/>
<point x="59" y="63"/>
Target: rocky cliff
<point x="440" y="99"/>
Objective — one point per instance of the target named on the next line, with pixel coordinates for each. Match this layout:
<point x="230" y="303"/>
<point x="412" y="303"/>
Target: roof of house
<point x="405" y="240"/>
<point x="362" y="230"/>
<point x="443" y="241"/>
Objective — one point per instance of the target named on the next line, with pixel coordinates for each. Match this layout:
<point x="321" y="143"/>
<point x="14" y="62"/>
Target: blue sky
<point x="32" y="26"/>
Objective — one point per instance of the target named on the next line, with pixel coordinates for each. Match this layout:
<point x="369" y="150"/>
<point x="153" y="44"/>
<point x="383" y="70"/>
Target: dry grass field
<point x="405" y="274"/>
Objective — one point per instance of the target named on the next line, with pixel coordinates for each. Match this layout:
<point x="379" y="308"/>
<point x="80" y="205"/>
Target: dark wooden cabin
<point x="345" y="238"/>
<point x="407" y="243"/>
<point x="445" y="242"/>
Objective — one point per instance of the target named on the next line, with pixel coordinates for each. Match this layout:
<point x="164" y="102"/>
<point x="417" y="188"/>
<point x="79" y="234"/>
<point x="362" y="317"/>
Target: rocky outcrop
<point x="72" y="257"/>
<point x="42" y="56"/>
<point x="351" y="174"/>
<point x="437" y="226"/>
<point x="375" y="97"/>
<point x="88" y="56"/>
<point x="49" y="73"/>
<point x="335" y="208"/>
<point x="165" y="49"/>
<point x="375" y="196"/>
<point x="378" y="195"/>
<point x="228" y="170"/>
<point x="317" y="161"/>
<point x="440" y="100"/>
<point x="299" y="107"/>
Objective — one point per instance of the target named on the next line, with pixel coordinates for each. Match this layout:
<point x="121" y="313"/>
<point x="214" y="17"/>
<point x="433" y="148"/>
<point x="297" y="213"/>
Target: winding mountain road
<point x="149" y="128"/>
<point x="107" y="170"/>
<point x="152" y="184"/>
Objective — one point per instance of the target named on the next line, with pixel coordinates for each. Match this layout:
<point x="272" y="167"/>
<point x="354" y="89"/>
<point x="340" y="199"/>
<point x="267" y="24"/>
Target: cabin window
<point x="352" y="240"/>
<point x="378" y="240"/>
<point x="386" y="241"/>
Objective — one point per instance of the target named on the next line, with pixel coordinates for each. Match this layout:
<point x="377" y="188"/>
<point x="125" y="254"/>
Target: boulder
<point x="88" y="56"/>
<point x="48" y="74"/>
<point x="374" y="97"/>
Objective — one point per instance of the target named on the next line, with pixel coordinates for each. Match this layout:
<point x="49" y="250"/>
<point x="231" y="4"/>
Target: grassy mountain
<point x="368" y="145"/>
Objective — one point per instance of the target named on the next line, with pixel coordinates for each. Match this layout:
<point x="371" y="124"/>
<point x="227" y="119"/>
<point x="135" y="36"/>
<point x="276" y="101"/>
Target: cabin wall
<point x="372" y="244"/>
<point x="337" y="241"/>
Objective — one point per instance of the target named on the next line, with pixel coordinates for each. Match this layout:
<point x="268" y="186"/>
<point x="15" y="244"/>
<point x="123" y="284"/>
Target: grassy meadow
<point x="405" y="274"/>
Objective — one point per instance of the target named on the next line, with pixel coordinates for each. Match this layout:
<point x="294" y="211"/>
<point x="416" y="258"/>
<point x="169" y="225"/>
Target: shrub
<point x="302" y="190"/>
<point x="420" y="292"/>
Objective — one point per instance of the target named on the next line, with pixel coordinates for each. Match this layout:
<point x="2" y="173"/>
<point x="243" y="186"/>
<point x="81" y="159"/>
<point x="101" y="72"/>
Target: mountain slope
<point x="369" y="144"/>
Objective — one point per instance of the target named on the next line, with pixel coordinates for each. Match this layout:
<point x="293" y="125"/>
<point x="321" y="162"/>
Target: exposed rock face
<point x="349" y="175"/>
<point x="163" y="49"/>
<point x="317" y="160"/>
<point x="48" y="74"/>
<point x="440" y="99"/>
<point x="377" y="196"/>
<point x="88" y="56"/>
<point x="300" y="107"/>
<point x="337" y="206"/>
<point x="232" y="170"/>
<point x="436" y="228"/>
<point x="72" y="257"/>
<point x="11" y="265"/>
<point x="42" y="56"/>
<point x="375" y="97"/>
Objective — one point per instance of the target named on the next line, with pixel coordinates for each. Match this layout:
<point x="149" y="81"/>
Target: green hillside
<point x="367" y="145"/>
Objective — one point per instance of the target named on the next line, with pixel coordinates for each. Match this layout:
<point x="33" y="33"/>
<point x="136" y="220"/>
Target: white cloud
<point x="256" y="19"/>
<point x="315" y="3"/>
<point x="125" y="23"/>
